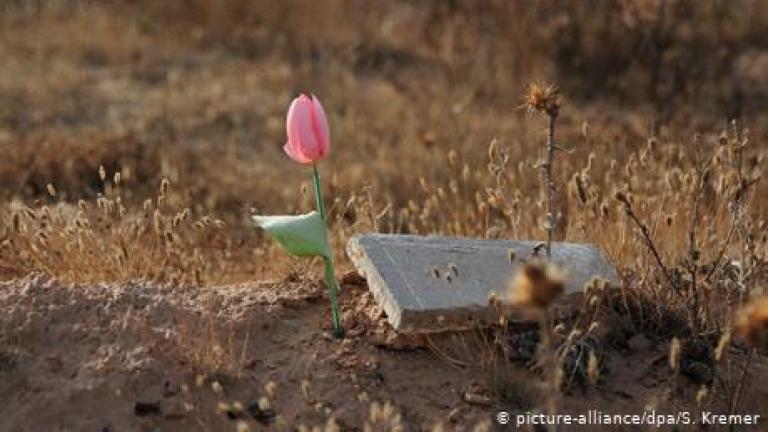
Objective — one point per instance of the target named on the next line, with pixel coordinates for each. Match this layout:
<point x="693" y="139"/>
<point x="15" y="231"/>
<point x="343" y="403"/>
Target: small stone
<point x="264" y="416"/>
<point x="477" y="395"/>
<point x="352" y="277"/>
<point x="143" y="409"/>
<point x="356" y="331"/>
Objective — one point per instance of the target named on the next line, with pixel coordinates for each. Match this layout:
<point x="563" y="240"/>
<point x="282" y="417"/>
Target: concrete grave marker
<point x="430" y="284"/>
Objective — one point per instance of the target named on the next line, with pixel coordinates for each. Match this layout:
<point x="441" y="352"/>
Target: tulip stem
<point x="330" y="274"/>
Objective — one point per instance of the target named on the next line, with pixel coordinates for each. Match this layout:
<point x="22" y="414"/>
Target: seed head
<point x="722" y="345"/>
<point x="493" y="300"/>
<point x="164" y="185"/>
<point x="270" y="388"/>
<point x="493" y="150"/>
<point x="581" y="192"/>
<point x="593" y="327"/>
<point x="453" y="157"/>
<point x="511" y="255"/>
<point x="306" y="390"/>
<point x="465" y="173"/>
<point x="223" y="407"/>
<point x="264" y="403"/>
<point x="158" y="221"/>
<point x="363" y="397"/>
<point x="675" y="349"/>
<point x="593" y="368"/>
<point x="702" y="395"/>
<point x="543" y="97"/>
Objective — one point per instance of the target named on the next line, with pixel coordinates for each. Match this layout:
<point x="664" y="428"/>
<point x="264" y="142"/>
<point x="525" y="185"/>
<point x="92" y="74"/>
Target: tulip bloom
<point x="307" y="235"/>
<point x="308" y="133"/>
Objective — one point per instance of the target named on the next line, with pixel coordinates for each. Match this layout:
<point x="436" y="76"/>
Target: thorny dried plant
<point x="546" y="98"/>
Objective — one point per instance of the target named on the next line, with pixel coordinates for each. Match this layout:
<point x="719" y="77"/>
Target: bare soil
<point x="135" y="357"/>
<point x="142" y="357"/>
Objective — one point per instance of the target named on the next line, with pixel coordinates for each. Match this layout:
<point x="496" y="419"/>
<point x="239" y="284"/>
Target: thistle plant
<point x="306" y="235"/>
<point x="546" y="98"/>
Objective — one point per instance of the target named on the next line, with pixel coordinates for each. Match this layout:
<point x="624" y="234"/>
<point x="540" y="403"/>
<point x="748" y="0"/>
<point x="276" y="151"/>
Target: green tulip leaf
<point x="301" y="235"/>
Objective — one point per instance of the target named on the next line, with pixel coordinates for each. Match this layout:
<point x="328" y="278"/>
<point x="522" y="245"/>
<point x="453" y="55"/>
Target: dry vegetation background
<point x="195" y="92"/>
<point x="135" y="137"/>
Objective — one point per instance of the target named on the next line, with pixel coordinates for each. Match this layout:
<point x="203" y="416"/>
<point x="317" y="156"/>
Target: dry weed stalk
<point x="698" y="187"/>
<point x="649" y="243"/>
<point x="546" y="98"/>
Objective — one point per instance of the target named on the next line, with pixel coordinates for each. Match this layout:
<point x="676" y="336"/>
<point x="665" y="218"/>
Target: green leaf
<point x="301" y="235"/>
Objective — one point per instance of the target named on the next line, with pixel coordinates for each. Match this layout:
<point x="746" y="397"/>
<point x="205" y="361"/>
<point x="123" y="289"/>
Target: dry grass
<point x="138" y="154"/>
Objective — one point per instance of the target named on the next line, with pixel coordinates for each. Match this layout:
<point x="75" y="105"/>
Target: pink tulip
<point x="307" y="127"/>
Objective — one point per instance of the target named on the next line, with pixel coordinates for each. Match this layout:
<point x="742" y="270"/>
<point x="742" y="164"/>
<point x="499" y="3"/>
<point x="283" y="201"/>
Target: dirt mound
<point x="138" y="356"/>
<point x="144" y="356"/>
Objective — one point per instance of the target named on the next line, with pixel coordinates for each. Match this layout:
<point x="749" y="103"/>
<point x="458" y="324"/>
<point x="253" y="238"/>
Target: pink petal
<point x="294" y="154"/>
<point x="301" y="138"/>
<point x="320" y="126"/>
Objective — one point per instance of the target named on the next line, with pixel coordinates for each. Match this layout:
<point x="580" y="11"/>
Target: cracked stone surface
<point x="434" y="283"/>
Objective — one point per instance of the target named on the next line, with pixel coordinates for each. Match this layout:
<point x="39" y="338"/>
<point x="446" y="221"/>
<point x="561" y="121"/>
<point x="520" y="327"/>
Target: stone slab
<point x="434" y="283"/>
